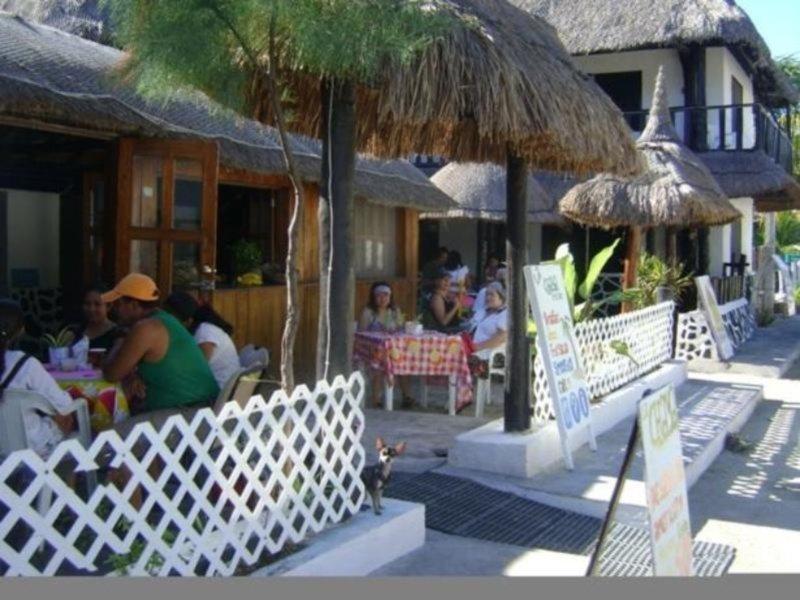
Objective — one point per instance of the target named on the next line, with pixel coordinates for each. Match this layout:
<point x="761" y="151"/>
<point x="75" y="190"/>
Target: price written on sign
<point x="665" y="484"/>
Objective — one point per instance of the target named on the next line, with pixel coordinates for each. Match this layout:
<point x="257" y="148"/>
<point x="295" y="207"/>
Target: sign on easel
<point x="710" y="308"/>
<point x="558" y="346"/>
<point x="665" y="484"/>
<point x="788" y="284"/>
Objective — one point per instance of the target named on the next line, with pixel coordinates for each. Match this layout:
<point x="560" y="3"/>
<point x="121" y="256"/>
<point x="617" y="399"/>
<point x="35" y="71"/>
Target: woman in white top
<point x="492" y="329"/>
<point x="211" y="332"/>
<point x="459" y="272"/>
<point x="19" y="371"/>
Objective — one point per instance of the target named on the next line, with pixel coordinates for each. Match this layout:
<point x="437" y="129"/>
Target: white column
<point x="719" y="249"/>
<point x="745" y="206"/>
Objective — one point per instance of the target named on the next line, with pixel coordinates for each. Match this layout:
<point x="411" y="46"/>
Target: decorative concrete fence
<point x="694" y="336"/>
<point x="647" y="336"/>
<point x="209" y="497"/>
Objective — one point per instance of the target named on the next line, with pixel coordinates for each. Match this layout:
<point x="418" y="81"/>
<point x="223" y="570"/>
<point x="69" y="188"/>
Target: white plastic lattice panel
<point x="199" y="498"/>
<point x="644" y="335"/>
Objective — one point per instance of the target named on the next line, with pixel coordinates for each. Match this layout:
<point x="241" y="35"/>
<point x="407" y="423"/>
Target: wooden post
<point x="693" y="63"/>
<point x="631" y="262"/>
<point x="324" y="236"/>
<point x="517" y="407"/>
<point x="672" y="246"/>
<point x="342" y="275"/>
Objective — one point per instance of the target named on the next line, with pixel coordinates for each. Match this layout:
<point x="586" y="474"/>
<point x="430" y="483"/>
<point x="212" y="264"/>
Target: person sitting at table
<point x="490" y="269"/>
<point x="20" y="371"/>
<point x="96" y="325"/>
<point x="430" y="270"/>
<point x="171" y="366"/>
<point x="491" y="331"/>
<point x="442" y="313"/>
<point x="460" y="279"/>
<point x="479" y="306"/>
<point x="211" y="332"/>
<point x="381" y="315"/>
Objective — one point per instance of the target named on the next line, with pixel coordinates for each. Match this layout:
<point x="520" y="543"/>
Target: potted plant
<point x="247" y="258"/>
<point x="58" y="346"/>
<point x="657" y="282"/>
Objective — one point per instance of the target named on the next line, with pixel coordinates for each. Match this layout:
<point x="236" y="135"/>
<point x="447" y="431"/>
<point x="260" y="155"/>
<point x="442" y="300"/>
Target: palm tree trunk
<point x="341" y="274"/>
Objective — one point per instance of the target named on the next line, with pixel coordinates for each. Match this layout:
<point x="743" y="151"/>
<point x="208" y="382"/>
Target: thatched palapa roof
<point x="594" y="26"/>
<point x="479" y="189"/>
<point x="677" y="189"/>
<point x="52" y="77"/>
<point x="498" y="79"/>
<point x="754" y="174"/>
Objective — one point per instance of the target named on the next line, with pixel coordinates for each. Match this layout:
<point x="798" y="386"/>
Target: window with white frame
<point x="375" y="240"/>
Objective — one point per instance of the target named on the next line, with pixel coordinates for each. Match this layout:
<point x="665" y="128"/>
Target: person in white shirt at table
<point x="20" y="371"/>
<point x="479" y="307"/>
<point x="211" y="332"/>
<point x="491" y="330"/>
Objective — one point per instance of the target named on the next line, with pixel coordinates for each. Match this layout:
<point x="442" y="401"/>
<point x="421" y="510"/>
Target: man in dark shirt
<point x="430" y="272"/>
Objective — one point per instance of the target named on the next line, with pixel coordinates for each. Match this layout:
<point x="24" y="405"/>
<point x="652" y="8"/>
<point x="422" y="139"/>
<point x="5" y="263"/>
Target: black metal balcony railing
<point x="732" y="127"/>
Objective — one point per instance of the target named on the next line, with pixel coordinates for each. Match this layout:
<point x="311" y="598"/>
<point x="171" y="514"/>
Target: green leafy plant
<point x="654" y="273"/>
<point x="587" y="309"/>
<point x="63" y="338"/>
<point x="797" y="295"/>
<point x="247" y="256"/>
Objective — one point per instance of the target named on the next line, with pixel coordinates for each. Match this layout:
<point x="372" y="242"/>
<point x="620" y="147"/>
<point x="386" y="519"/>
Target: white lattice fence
<point x="606" y="285"/>
<point x="202" y="498"/>
<point x="646" y="333"/>
<point x="694" y="336"/>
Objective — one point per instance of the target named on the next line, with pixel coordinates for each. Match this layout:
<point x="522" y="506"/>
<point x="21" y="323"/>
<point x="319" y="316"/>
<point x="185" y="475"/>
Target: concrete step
<point x="708" y="412"/>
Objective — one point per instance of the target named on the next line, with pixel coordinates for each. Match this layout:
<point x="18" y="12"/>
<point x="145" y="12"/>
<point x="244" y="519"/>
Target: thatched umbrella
<point x="479" y="190"/>
<point x="677" y="189"/>
<point x="499" y="87"/>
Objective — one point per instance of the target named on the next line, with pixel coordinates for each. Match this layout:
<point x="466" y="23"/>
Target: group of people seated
<point x="169" y="357"/>
<point x="444" y="301"/>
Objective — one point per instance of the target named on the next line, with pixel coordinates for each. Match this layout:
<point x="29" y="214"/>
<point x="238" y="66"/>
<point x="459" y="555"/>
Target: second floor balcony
<point x="732" y="128"/>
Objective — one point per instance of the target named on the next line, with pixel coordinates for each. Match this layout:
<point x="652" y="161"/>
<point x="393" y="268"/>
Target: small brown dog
<point x="376" y="477"/>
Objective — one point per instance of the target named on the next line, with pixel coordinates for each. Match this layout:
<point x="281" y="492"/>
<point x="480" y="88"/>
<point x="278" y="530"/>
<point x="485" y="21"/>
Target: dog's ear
<point x="379" y="443"/>
<point x="400" y="448"/>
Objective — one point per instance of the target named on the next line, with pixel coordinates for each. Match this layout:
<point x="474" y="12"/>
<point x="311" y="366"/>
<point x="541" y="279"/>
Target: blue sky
<point x="778" y="22"/>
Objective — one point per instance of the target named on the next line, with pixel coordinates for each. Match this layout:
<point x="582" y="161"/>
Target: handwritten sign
<point x="560" y="354"/>
<point x="708" y="302"/>
<point x="787" y="284"/>
<point x="665" y="484"/>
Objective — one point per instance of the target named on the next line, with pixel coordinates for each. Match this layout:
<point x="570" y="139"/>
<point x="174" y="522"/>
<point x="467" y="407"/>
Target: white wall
<point x="33" y="234"/>
<point x="646" y="61"/>
<point x="743" y="230"/>
<point x="719" y="249"/>
<point x="721" y="67"/>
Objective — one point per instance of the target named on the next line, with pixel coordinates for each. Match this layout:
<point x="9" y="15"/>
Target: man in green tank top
<point x="163" y="352"/>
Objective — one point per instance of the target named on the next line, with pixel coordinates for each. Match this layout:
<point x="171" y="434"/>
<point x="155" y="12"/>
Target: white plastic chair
<point x="13" y="436"/>
<point x="252" y="354"/>
<point x="484" y="391"/>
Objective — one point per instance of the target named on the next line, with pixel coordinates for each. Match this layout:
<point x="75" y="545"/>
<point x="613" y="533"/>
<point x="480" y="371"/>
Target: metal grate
<point x="461" y="507"/>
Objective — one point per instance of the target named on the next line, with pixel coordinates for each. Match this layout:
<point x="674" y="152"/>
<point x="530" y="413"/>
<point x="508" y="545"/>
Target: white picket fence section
<point x="647" y="333"/>
<point x="694" y="335"/>
<point x="202" y="498"/>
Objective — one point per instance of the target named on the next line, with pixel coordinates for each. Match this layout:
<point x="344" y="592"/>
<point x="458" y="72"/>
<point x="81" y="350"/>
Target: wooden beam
<point x="693" y="63"/>
<point x="56" y="128"/>
<point x="634" y="245"/>
<point x="235" y="176"/>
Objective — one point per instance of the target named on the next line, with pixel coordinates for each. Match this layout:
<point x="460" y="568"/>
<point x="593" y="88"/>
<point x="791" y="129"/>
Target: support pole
<point x="517" y="382"/>
<point x="630" y="451"/>
<point x="631" y="262"/>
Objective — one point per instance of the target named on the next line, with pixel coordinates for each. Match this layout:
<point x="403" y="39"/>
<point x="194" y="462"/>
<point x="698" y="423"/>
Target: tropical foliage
<point x="652" y="274"/>
<point x="787" y="232"/>
<point x="790" y="65"/>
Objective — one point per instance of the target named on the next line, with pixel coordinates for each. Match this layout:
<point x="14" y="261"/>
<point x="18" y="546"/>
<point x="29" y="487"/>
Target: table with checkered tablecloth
<point x="430" y="353"/>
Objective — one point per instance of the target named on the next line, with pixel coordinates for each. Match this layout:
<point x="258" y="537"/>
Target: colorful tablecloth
<point x="107" y="402"/>
<point x="428" y="354"/>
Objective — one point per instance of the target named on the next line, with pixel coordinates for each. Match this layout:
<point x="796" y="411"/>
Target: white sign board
<point x="558" y="346"/>
<point x="665" y="484"/>
<point x="787" y="282"/>
<point x="710" y="308"/>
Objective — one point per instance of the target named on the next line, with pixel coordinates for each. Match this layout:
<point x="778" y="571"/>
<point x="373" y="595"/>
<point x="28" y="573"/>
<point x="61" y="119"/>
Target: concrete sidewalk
<point x="770" y="353"/>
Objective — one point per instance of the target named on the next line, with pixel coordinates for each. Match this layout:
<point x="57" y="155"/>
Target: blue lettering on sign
<point x="575" y="406"/>
<point x="562" y="366"/>
<point x="584" y="399"/>
<point x="565" y="412"/>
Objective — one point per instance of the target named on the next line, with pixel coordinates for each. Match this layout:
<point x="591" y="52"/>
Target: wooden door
<point x="167" y="210"/>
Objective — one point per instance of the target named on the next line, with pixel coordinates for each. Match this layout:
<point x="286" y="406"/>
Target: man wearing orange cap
<point x="167" y="359"/>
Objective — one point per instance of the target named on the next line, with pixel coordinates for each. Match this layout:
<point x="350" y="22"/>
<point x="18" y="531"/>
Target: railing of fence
<point x="209" y="497"/>
<point x="694" y="338"/>
<point x="644" y="335"/>
<point x="730" y="288"/>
